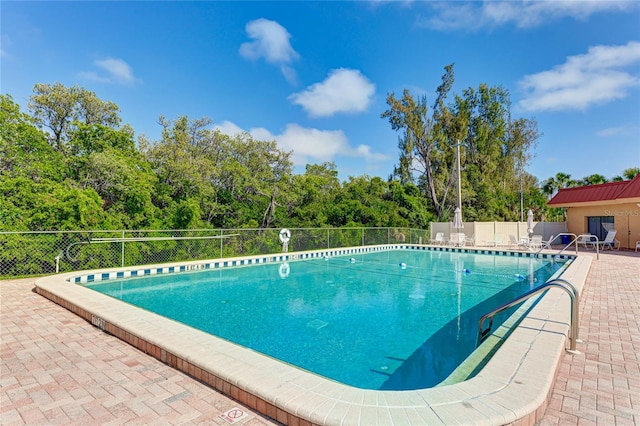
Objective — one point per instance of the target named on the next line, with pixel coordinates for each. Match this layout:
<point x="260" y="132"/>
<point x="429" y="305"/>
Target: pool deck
<point x="59" y="369"/>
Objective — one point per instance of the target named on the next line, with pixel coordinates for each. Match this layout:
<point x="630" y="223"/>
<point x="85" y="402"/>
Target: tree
<point x="553" y="184"/>
<point x="424" y="147"/>
<point x="493" y="147"/>
<point x="631" y="173"/>
<point x="261" y="174"/>
<point x="186" y="161"/>
<point x="236" y="181"/>
<point x="594" y="179"/>
<point x="24" y="150"/>
<point x="313" y="194"/>
<point x="628" y="174"/>
<point x="57" y="108"/>
<point x="107" y="161"/>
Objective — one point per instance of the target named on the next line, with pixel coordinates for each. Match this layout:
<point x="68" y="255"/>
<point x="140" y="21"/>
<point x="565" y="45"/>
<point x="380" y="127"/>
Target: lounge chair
<point x="609" y="241"/>
<point x="439" y="239"/>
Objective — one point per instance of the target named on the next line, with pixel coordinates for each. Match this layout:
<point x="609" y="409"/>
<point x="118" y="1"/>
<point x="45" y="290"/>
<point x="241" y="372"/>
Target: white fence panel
<point x="485" y="233"/>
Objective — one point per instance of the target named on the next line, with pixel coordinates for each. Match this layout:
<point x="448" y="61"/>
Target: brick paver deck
<point x="58" y="369"/>
<point x="601" y="385"/>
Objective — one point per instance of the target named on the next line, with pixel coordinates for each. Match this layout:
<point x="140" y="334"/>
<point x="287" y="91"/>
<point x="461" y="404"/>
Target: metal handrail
<point x="553" y="238"/>
<point x="558" y="283"/>
<point x="575" y="240"/>
<point x="596" y="245"/>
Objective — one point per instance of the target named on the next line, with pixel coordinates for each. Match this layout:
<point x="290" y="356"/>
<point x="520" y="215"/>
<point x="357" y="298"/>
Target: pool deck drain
<point x="57" y="368"/>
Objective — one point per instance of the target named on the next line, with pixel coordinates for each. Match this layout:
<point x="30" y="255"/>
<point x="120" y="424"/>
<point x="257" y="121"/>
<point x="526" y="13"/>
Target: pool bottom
<point x="514" y="385"/>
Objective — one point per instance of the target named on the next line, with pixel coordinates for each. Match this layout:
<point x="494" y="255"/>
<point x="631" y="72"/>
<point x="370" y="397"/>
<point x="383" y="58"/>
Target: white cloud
<point x="93" y="76"/>
<point x="313" y="145"/>
<point x="309" y="145"/>
<point x="344" y="90"/>
<point x="611" y="131"/>
<point x="596" y="77"/>
<point x="618" y="131"/>
<point x="524" y="14"/>
<point x="114" y="71"/>
<point x="271" y="42"/>
<point x="228" y="128"/>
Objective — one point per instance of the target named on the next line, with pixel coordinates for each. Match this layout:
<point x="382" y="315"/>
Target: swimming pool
<point x="393" y="320"/>
<point x="292" y="395"/>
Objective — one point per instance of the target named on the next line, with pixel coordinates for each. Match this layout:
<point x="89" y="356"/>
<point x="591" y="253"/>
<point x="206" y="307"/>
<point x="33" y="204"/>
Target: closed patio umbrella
<point x="530" y="222"/>
<point x="457" y="219"/>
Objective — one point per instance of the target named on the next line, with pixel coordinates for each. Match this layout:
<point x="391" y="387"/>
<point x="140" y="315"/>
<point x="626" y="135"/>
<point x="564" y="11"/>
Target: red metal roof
<point x="632" y="190"/>
<point x="591" y="193"/>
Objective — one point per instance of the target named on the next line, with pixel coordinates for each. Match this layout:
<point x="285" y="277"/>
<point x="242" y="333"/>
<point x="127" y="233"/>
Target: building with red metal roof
<point x="597" y="209"/>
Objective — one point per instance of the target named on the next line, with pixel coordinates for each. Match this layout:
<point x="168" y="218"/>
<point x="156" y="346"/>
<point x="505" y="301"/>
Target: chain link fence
<point x="37" y="253"/>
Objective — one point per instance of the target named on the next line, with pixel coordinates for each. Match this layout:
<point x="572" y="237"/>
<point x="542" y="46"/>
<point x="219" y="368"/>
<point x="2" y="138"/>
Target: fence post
<point x="122" y="257"/>
<point x="221" y="239"/>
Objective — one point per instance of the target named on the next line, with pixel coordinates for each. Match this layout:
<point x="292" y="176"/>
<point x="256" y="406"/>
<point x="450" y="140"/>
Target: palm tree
<point x="630" y="173"/>
<point x="627" y="174"/>
<point x="553" y="184"/>
<point x="594" y="179"/>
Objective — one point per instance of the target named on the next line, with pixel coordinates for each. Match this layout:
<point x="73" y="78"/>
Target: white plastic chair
<point x="439" y="239"/>
<point x="535" y="243"/>
<point x="497" y="241"/>
<point x="469" y="240"/>
<point x="609" y="241"/>
<point x="586" y="241"/>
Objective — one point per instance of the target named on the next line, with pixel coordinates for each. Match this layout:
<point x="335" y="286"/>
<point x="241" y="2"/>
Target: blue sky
<point x="315" y="75"/>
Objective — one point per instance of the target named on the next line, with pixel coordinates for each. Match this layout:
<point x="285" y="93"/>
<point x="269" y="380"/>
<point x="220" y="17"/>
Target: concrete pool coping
<point x="514" y="386"/>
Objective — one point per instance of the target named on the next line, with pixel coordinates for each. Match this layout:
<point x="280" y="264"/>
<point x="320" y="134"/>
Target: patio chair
<point x="535" y="243"/>
<point x="637" y="245"/>
<point x="586" y="241"/>
<point x="515" y="244"/>
<point x="456" y="239"/>
<point x="469" y="240"/>
<point x="497" y="241"/>
<point x="439" y="239"/>
<point x="609" y="241"/>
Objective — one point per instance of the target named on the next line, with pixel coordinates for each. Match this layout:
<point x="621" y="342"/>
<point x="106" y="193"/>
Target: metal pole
<point x="521" y="202"/>
<point x="459" y="183"/>
<point x="122" y="249"/>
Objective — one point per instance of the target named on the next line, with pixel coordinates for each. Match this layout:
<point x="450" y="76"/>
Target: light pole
<point x="521" y="201"/>
<point x="457" y="145"/>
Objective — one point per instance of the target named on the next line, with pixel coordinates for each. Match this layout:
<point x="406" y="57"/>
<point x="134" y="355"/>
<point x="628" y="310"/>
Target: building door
<point x="599" y="226"/>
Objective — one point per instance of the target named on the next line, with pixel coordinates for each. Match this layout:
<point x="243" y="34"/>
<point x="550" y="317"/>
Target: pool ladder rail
<point x="557" y="283"/>
<point x="576" y="239"/>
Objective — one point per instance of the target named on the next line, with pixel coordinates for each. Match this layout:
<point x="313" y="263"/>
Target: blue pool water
<point x="392" y="320"/>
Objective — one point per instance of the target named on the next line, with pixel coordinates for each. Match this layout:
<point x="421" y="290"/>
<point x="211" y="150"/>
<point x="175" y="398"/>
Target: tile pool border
<point x="513" y="387"/>
<point x="128" y="272"/>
